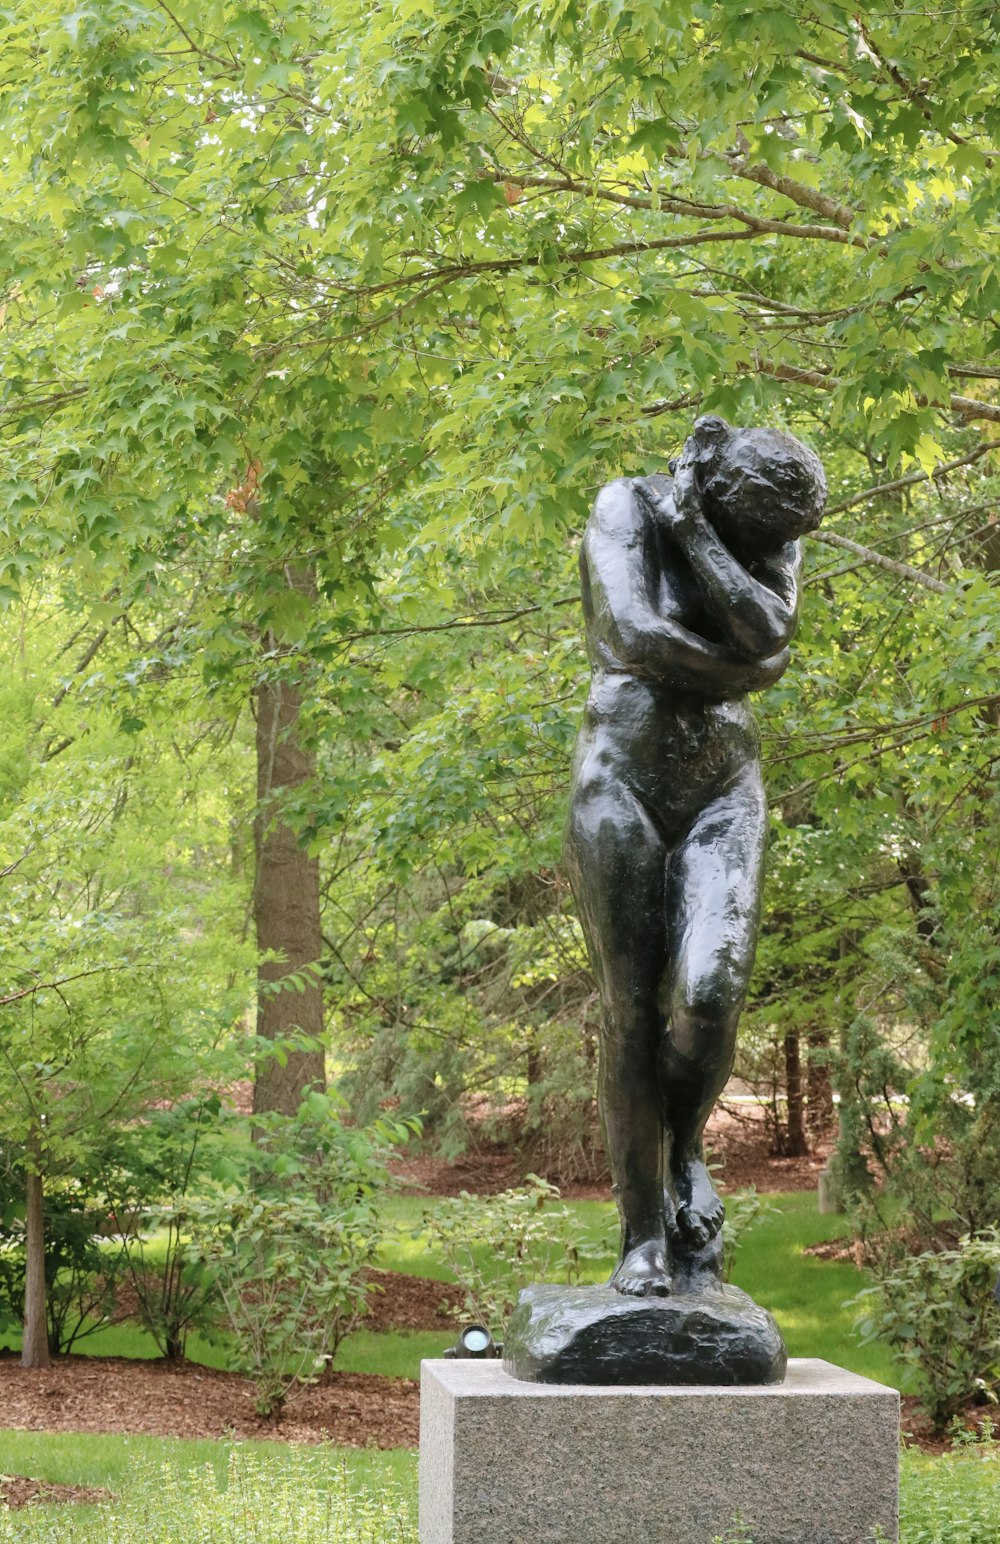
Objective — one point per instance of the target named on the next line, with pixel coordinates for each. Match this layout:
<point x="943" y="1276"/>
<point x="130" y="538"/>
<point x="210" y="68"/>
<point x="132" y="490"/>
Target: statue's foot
<point x="642" y="1271"/>
<point x="699" y="1210"/>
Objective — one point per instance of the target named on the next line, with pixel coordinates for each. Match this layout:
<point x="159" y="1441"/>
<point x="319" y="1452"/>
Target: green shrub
<point x="154" y="1167"/>
<point x="289" y="1256"/>
<point x="940" y="1314"/>
<point x="81" y="1271"/>
<point x="498" y="1244"/>
<point x="308" y="1499"/>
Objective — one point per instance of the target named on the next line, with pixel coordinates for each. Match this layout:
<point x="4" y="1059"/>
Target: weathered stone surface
<point x="595" y="1335"/>
<point x="811" y="1460"/>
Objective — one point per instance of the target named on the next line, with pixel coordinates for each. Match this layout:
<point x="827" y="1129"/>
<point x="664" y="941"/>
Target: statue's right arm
<point x="642" y="640"/>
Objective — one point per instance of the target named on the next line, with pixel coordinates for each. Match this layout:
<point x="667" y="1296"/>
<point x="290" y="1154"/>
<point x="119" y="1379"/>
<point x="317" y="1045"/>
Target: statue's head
<point x="760" y="487"/>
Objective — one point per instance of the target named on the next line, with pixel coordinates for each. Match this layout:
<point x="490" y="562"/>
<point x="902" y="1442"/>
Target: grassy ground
<point x="187" y="1492"/>
<point x="169" y="1488"/>
<point x="955" y="1500"/>
<point x="807" y="1296"/>
<point x="71" y="1458"/>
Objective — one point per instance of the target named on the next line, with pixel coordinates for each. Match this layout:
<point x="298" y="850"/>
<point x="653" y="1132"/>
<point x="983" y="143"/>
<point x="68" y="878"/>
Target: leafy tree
<point x="431" y="275"/>
<point x="113" y="992"/>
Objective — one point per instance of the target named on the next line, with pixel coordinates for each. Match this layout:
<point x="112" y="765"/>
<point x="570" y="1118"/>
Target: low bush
<point x="82" y="1271"/>
<point x="498" y="1244"/>
<point x="940" y="1314"/>
<point x="289" y="1254"/>
<point x="148" y="1177"/>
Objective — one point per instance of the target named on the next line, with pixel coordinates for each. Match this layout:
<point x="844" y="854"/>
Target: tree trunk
<point x="819" y="1084"/>
<point x="533" y="1059"/>
<point x="797" y="1145"/>
<point x="286" y="894"/>
<point x="35" y="1347"/>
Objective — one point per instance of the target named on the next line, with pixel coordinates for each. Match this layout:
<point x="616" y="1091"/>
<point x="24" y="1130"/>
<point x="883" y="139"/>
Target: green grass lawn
<point x="149" y="1476"/>
<point x="71" y="1458"/>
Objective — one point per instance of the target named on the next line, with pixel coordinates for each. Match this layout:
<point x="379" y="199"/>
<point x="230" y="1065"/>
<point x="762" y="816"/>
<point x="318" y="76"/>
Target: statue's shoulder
<point x="614" y="497"/>
<point x="619" y="510"/>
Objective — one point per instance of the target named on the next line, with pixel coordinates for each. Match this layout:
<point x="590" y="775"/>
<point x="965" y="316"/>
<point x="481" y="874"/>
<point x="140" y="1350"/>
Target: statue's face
<point x="761" y="488"/>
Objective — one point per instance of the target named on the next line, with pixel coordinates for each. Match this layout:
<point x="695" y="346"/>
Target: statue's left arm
<point x="758" y="612"/>
<point x="761" y="613"/>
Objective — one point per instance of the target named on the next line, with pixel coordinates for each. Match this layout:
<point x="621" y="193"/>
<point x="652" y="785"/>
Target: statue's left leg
<point x="713" y="915"/>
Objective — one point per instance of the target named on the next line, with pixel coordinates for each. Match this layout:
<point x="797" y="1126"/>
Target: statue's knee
<point x="703" y="1026"/>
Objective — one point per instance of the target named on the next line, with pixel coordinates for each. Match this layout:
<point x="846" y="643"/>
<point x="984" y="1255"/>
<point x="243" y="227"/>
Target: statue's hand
<point x="674" y="510"/>
<point x="686" y="496"/>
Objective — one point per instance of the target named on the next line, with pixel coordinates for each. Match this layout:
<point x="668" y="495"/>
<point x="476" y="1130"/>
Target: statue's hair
<point x="761" y="473"/>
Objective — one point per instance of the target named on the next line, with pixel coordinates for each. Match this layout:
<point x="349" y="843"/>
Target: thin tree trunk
<point x="819" y="1084"/>
<point x="533" y="1060"/>
<point x="286" y="894"/>
<point x="35" y="1347"/>
<point x="797" y="1145"/>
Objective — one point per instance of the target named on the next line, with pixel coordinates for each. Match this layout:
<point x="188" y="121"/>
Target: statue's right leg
<point x="617" y="862"/>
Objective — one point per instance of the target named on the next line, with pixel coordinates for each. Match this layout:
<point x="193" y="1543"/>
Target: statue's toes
<point x="694" y="1227"/>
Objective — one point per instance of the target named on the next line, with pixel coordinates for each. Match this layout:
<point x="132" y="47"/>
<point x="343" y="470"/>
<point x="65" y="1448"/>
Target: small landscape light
<point x="474" y="1341"/>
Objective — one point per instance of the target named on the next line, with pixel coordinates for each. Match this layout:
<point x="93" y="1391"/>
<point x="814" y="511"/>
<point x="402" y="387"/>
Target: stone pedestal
<point x="811" y="1460"/>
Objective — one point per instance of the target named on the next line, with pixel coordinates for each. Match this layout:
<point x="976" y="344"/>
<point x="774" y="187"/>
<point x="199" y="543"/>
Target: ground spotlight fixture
<point x="475" y="1341"/>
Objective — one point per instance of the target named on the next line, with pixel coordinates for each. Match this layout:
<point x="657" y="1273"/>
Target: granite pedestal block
<point x="811" y="1460"/>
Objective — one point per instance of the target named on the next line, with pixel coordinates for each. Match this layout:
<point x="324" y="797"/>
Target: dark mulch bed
<point x="164" y="1399"/>
<point x="411" y="1303"/>
<point x="917" y="1432"/>
<point x="168" y="1399"/>
<point x="17" y="1490"/>
<point x="736" y="1137"/>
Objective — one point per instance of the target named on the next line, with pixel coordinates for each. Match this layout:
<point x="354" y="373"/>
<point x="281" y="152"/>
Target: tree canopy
<point x="381" y="296"/>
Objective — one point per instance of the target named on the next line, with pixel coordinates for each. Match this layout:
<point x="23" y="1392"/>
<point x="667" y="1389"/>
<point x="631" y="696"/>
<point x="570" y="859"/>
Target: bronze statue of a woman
<point x="690" y="595"/>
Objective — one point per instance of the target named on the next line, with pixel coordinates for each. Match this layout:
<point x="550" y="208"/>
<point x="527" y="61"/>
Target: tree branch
<point x="689" y="210"/>
<point x="879" y="560"/>
<point x="203" y="53"/>
<point x="81" y="665"/>
<point x="437" y="276"/>
<point x="52" y="986"/>
<point x="502" y="620"/>
<point x="825" y="380"/>
<point x="899" y="483"/>
<point x="798" y="192"/>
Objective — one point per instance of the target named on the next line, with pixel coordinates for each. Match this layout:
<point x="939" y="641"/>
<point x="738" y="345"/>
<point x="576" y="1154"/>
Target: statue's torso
<point x="671" y="746"/>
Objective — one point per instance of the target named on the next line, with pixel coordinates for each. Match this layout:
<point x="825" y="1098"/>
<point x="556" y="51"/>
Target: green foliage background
<point x="387" y="294"/>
